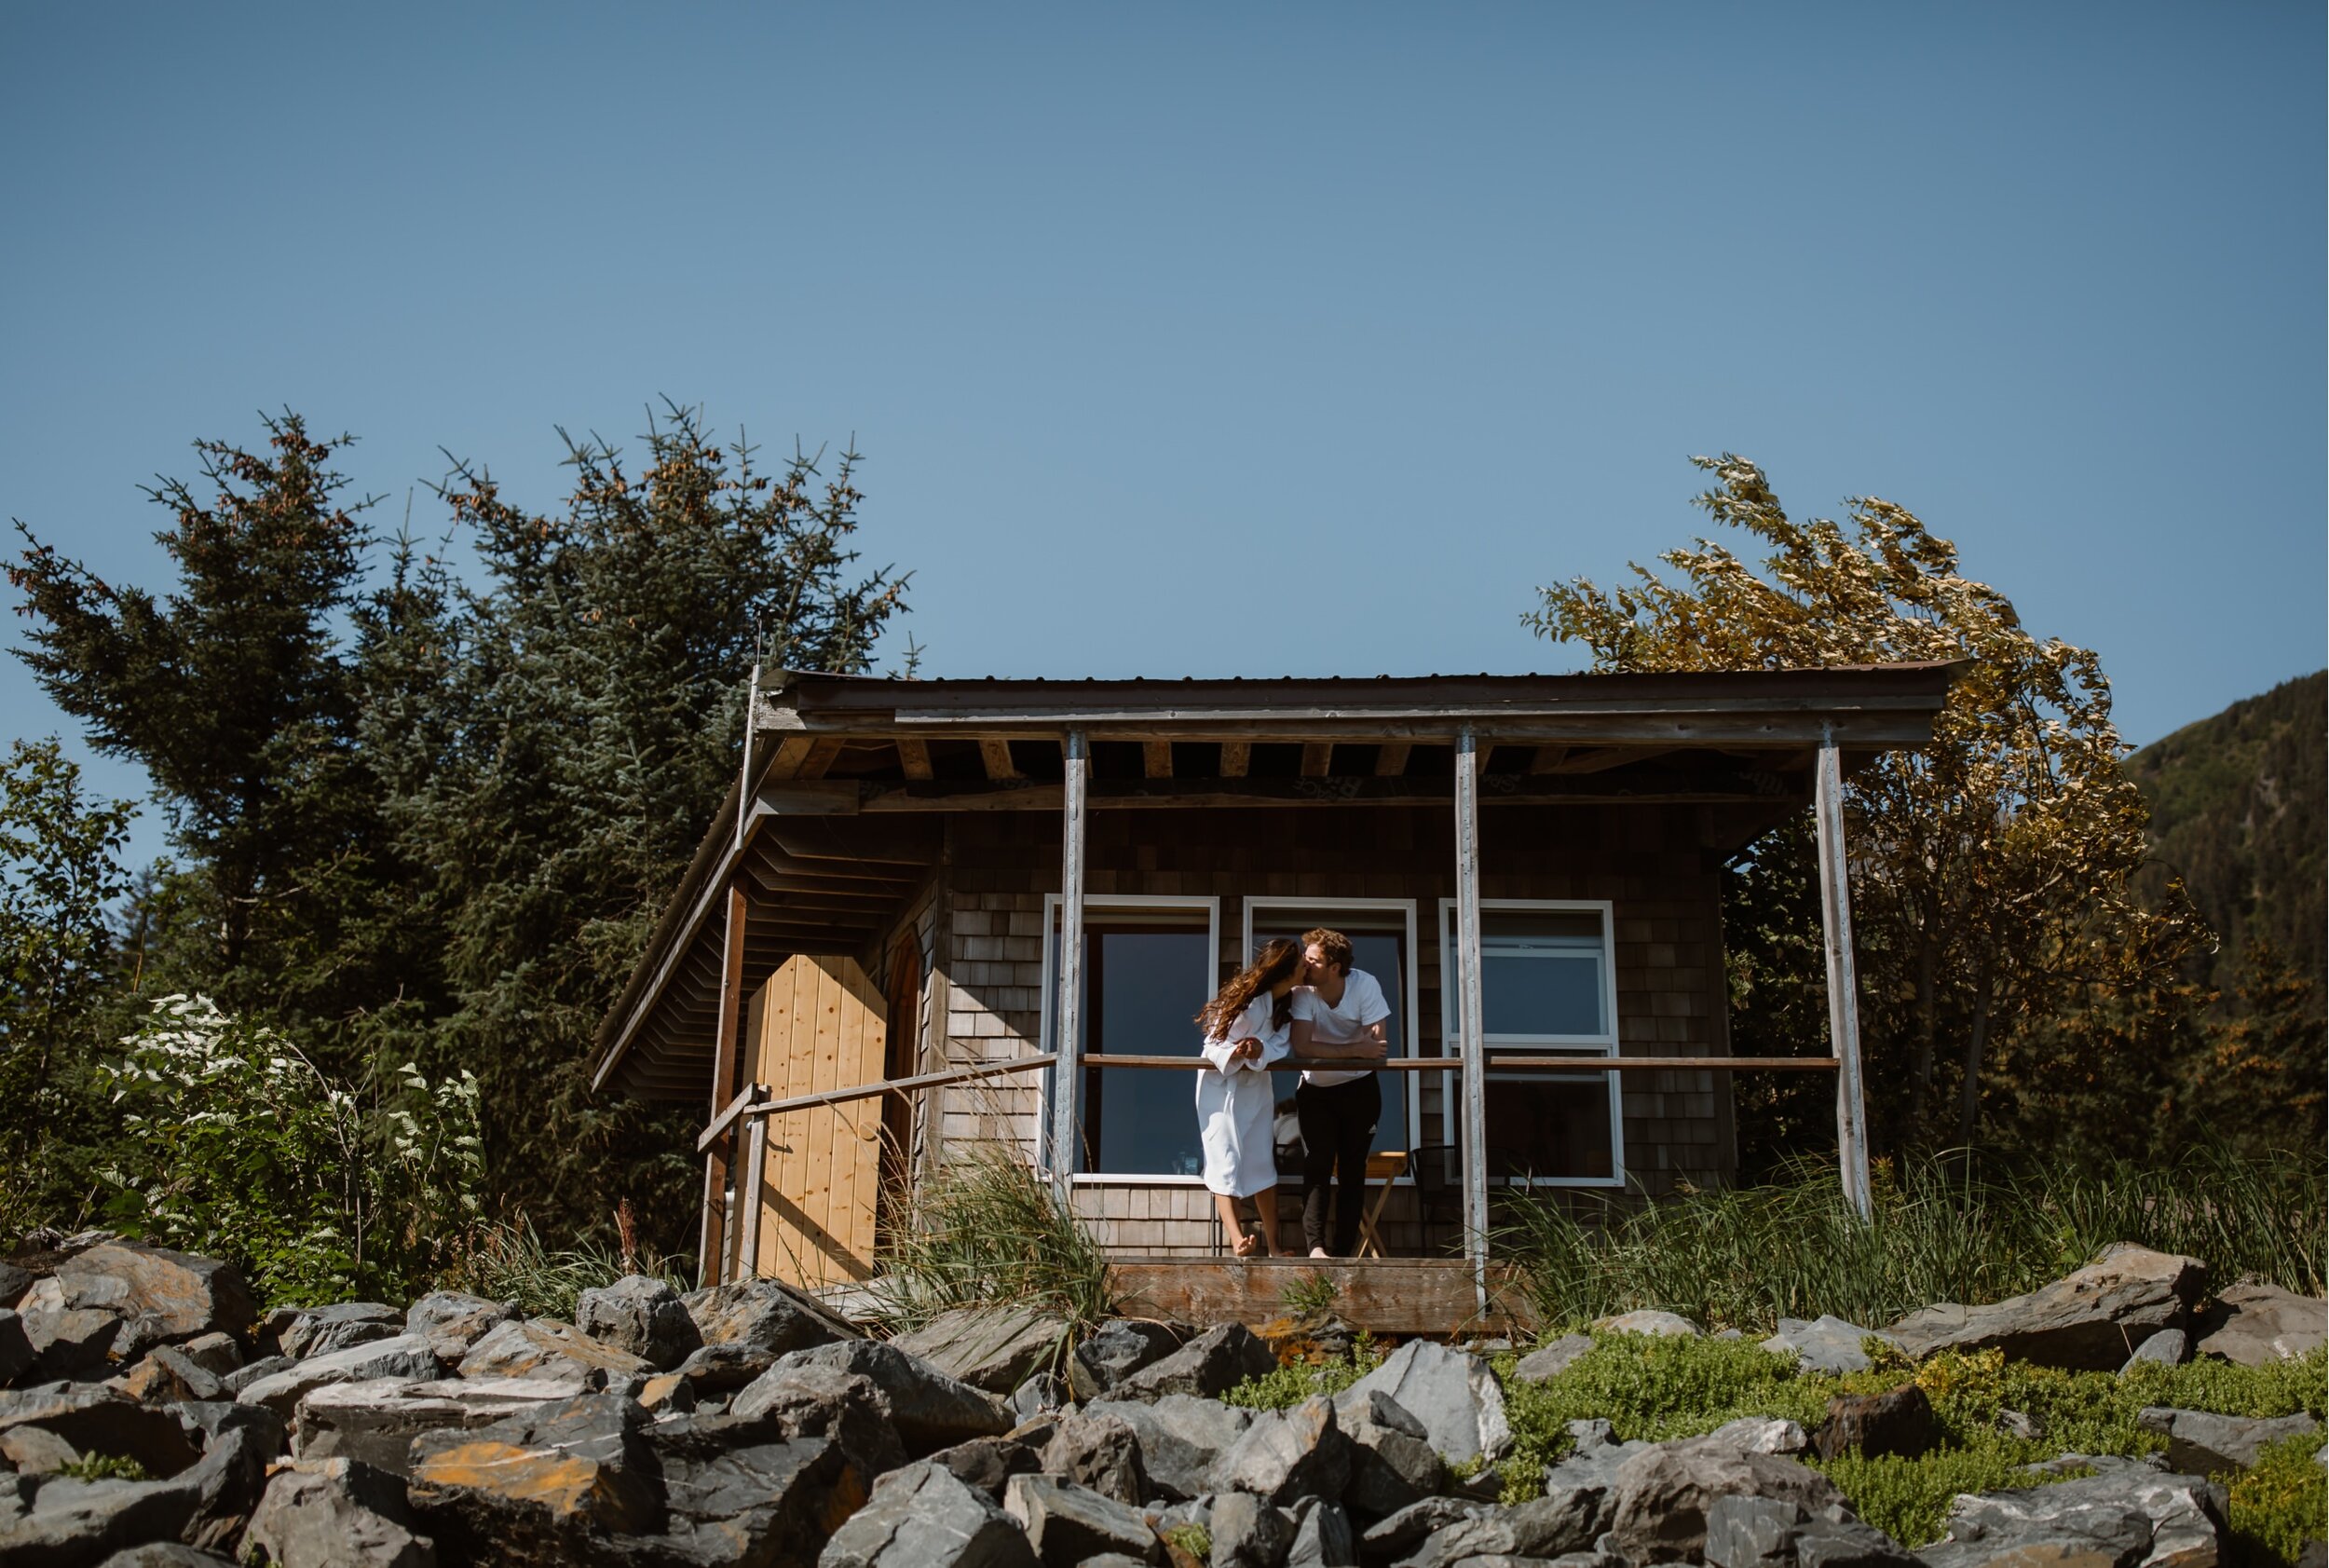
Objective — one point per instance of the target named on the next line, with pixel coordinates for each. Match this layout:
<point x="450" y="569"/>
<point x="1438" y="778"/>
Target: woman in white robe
<point x="1245" y="1033"/>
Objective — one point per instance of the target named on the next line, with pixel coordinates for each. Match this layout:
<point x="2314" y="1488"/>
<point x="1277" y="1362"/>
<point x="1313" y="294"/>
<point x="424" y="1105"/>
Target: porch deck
<point x="1432" y="1296"/>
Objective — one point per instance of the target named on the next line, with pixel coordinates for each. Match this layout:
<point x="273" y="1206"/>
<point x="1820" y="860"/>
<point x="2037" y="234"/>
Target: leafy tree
<point x="1991" y="872"/>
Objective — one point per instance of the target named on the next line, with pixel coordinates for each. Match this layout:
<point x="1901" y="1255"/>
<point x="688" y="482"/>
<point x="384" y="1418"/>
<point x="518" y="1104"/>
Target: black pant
<point x="1338" y="1129"/>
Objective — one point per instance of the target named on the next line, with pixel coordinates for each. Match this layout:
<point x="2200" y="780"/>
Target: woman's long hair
<point x="1275" y="962"/>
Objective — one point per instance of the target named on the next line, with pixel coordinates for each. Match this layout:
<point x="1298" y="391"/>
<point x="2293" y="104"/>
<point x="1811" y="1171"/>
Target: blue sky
<point x="1200" y="339"/>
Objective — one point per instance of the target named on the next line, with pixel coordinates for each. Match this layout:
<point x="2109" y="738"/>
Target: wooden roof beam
<point x="996" y="755"/>
<point x="914" y="757"/>
<point x="1156" y="760"/>
<point x="1317" y="756"/>
<point x="1236" y="756"/>
<point x="1391" y="759"/>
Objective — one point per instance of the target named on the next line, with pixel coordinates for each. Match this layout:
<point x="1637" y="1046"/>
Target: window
<point x="1382" y="936"/>
<point x="1148" y="968"/>
<point x="1548" y="989"/>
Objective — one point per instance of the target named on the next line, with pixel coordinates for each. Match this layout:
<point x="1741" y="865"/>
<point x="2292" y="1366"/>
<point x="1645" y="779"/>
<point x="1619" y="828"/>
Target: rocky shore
<point x="151" y="1416"/>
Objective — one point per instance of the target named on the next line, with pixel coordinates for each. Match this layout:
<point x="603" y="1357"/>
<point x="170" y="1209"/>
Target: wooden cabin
<point x="936" y="917"/>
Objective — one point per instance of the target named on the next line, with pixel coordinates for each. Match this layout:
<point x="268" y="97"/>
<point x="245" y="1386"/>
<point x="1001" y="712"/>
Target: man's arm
<point x="1370" y="1046"/>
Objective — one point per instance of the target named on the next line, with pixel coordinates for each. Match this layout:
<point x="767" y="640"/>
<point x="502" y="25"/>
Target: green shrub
<point x="986" y="1229"/>
<point x="236" y="1146"/>
<point x="2277" y="1504"/>
<point x="1195" y="1539"/>
<point x="507" y="1262"/>
<point x="1906" y="1498"/>
<point x="1289" y="1385"/>
<point x="103" y="1467"/>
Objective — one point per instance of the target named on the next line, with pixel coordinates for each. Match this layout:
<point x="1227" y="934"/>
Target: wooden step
<point x="1409" y="1296"/>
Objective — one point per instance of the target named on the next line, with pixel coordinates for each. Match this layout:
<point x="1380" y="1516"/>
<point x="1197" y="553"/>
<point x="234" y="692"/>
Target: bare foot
<point x="1248" y="1246"/>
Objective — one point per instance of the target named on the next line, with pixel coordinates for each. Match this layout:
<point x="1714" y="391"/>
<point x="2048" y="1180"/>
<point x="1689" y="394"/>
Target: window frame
<point x="1410" y="1005"/>
<point x="1586" y="1047"/>
<point x="1047" y="1009"/>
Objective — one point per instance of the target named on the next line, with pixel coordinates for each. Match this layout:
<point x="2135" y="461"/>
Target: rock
<point x="376" y="1420"/>
<point x="166" y="1554"/>
<point x="929" y="1410"/>
<point x="65" y="1341"/>
<point x="452" y="1321"/>
<point x="1286" y="1455"/>
<point x="243" y="1377"/>
<point x="1180" y="1437"/>
<point x="2169" y="1347"/>
<point x="1899" y="1420"/>
<point x="1039" y="1395"/>
<point x="765" y="1314"/>
<point x="14" y="1282"/>
<point x="1248" y="1532"/>
<point x="2313" y="1554"/>
<point x="1824" y="1345"/>
<point x="988" y="1464"/>
<point x="1066" y="1523"/>
<point x="2086" y="1321"/>
<point x="16" y="1347"/>
<point x="99" y="1420"/>
<point x="540" y="1347"/>
<point x="217" y="1353"/>
<point x="1322" y="1536"/>
<point x="713" y="1370"/>
<point x="760" y="1503"/>
<point x="33" y="1451"/>
<point x="327" y="1513"/>
<point x="2019" y="1424"/>
<point x="74" y="1523"/>
<point x="536" y="1488"/>
<point x="320" y="1331"/>
<point x="1455" y="1397"/>
<point x="1094" y="1449"/>
<point x="924" y="1517"/>
<point x="1769" y="1533"/>
<point x="993" y="1348"/>
<point x="406" y="1355"/>
<point x="1757" y="1434"/>
<point x="1552" y="1359"/>
<point x="1117" y="1349"/>
<point x="1670" y="1325"/>
<point x="640" y="1315"/>
<point x="1662" y="1494"/>
<point x="1395" y="1538"/>
<point x="1392" y="1461"/>
<point x="2200" y="1443"/>
<point x="158" y="1295"/>
<point x="2257" y="1324"/>
<point x="2126" y="1516"/>
<point x="1546" y="1527"/>
<point x="822" y="1402"/>
<point x="166" y="1376"/>
<point x="1208" y="1366"/>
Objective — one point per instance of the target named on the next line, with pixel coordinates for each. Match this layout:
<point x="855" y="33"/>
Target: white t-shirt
<point x="1362" y="1004"/>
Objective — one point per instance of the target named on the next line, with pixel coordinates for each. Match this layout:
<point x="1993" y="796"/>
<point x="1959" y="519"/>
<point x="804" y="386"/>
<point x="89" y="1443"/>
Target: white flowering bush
<point x="233" y="1144"/>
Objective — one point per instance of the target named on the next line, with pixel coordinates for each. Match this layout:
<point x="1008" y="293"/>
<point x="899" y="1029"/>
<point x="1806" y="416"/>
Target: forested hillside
<point x="2238" y="808"/>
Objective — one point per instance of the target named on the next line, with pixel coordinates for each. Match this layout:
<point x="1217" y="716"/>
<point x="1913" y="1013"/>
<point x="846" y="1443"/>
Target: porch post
<point x="713" y="1244"/>
<point x="1068" y="1073"/>
<point x="1472" y="1042"/>
<point x="1843" y="1015"/>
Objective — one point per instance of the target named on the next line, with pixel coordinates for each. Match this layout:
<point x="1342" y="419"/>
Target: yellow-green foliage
<point x="2279" y="1505"/>
<point x="103" y="1467"/>
<point x="1905" y="1499"/>
<point x="1295" y="1380"/>
<point x="1195" y="1539"/>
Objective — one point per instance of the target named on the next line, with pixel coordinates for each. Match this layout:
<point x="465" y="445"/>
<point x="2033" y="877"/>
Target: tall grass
<point x="986" y="1229"/>
<point x="1942" y="1231"/>
<point x="507" y="1262"/>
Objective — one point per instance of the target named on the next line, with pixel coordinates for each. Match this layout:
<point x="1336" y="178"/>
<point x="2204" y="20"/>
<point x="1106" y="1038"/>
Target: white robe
<point x="1236" y="1104"/>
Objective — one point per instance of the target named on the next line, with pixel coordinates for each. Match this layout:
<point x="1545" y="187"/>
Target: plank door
<point x="822" y="1027"/>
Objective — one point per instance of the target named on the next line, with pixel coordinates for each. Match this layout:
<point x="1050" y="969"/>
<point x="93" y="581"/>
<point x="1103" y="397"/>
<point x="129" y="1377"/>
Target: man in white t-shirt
<point x="1338" y="1014"/>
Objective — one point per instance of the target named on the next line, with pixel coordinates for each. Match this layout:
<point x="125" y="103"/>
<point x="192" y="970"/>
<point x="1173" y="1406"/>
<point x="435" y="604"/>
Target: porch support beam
<point x="1067" y="1073"/>
<point x="1844" y="1019"/>
<point x="1236" y="756"/>
<point x="711" y="1244"/>
<point x="1468" y="1015"/>
<point x="748" y="1194"/>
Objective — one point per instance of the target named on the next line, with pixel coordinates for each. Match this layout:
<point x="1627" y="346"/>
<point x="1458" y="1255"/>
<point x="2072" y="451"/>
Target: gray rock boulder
<point x="1546" y="1527"/>
<point x="217" y="1353"/>
<point x="2088" y="1321"/>
<point x="96" y="1420"/>
<point x="929" y="1410"/>
<point x="65" y="1341"/>
<point x="1670" y="1324"/>
<point x="1552" y="1359"/>
<point x="243" y="1377"/>
<point x="338" y="1513"/>
<point x="1323" y="1537"/>
<point x="538" y="1488"/>
<point x="2201" y="1443"/>
<point x="1761" y="1434"/>
<point x="319" y="1330"/>
<point x="2257" y="1324"/>
<point x="16" y="1347"/>
<point x="987" y="1463"/>
<point x="166" y="1554"/>
<point x="1208" y="1366"/>
<point x="70" y="1523"/>
<point x="1117" y="1349"/>
<point x="375" y="1421"/>
<point x="158" y="1295"/>
<point x="1824" y="1345"/>
<point x="1180" y="1437"/>
<point x="1288" y="1455"/>
<point x="993" y="1348"/>
<point x="1065" y="1524"/>
<point x="1662" y="1494"/>
<point x="1395" y="1538"/>
<point x="924" y="1517"/>
<point x="751" y="1503"/>
<point x="713" y="1370"/>
<point x="452" y="1321"/>
<point x="2169" y="1348"/>
<point x="822" y="1402"/>
<point x="2127" y="1516"/>
<point x="765" y="1314"/>
<point x="1899" y="1420"/>
<point x="406" y="1355"/>
<point x="14" y="1282"/>
<point x="1038" y="1396"/>
<point x="542" y="1347"/>
<point x="1094" y="1449"/>
<point x="168" y="1377"/>
<point x="1248" y="1532"/>
<point x="642" y="1315"/>
<point x="1454" y="1394"/>
<point x="1393" y="1464"/>
<point x="1770" y="1533"/>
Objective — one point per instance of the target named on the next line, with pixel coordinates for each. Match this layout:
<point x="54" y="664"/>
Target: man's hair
<point x="1332" y="945"/>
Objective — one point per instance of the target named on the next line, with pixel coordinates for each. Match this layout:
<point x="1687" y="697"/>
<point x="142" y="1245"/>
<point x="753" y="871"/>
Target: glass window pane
<point x="1382" y="953"/>
<point x="1549" y="1124"/>
<point x="1150" y="985"/>
<point x="1538" y="988"/>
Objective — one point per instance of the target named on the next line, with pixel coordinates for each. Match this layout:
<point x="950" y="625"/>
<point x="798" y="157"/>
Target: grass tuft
<point x="1309" y="1293"/>
<point x="987" y="1230"/>
<point x="103" y="1467"/>
<point x="507" y="1262"/>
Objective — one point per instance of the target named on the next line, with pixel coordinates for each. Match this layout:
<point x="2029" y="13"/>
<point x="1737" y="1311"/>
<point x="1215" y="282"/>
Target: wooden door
<point x="821" y="1026"/>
